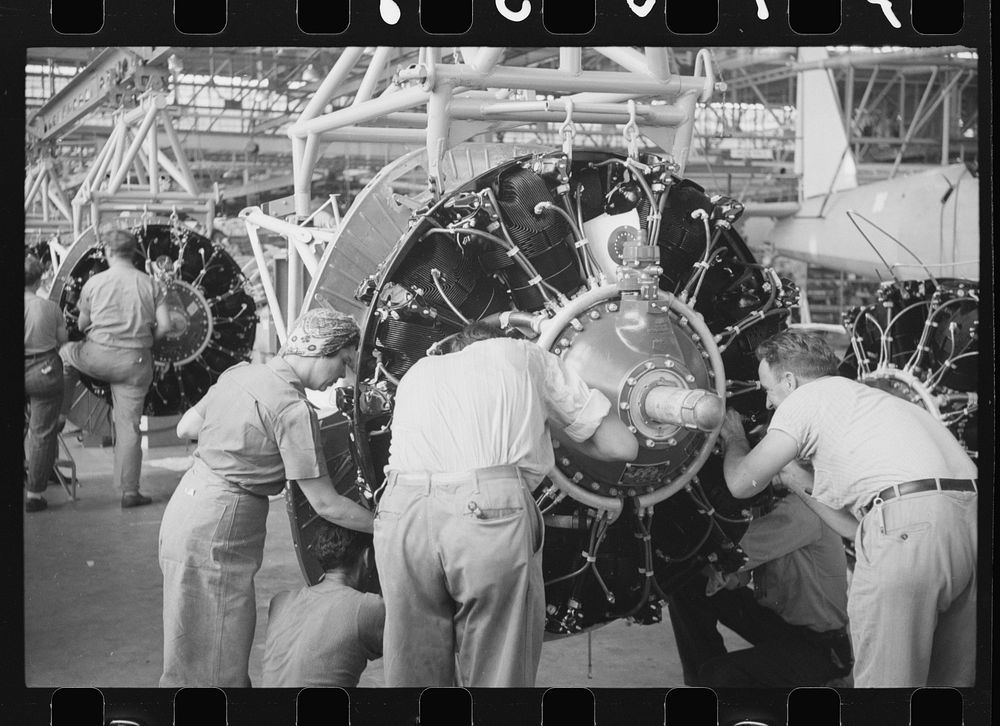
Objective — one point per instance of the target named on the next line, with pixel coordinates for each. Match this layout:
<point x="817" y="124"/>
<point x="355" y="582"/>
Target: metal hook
<point x="568" y="129"/>
<point x="631" y="132"/>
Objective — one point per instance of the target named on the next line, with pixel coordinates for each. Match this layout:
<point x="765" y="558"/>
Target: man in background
<point x="121" y="313"/>
<point x="44" y="332"/>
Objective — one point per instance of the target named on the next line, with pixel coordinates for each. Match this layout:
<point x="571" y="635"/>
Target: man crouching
<point x="325" y="635"/>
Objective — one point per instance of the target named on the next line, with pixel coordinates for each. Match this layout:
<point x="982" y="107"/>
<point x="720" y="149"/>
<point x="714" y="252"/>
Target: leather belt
<point x="921" y="485"/>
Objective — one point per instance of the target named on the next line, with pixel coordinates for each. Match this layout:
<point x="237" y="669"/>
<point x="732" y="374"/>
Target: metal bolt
<point x="594" y="315"/>
<point x="695" y="337"/>
<point x="564" y="461"/>
<point x="577" y="477"/>
<point x="689" y="378"/>
<point x="650" y="443"/>
<point x="623" y="404"/>
<point x="649" y="364"/>
<point x="631" y="492"/>
<point x="594" y="485"/>
<point x="669" y="363"/>
<point x="612" y="307"/>
<point x="557" y="351"/>
<point x="672" y="442"/>
<point x="613" y="492"/>
<point x="630" y="381"/>
<point x="564" y="342"/>
<point x="633" y="429"/>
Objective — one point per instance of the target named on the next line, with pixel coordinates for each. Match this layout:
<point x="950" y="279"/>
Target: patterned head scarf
<point x="321" y="333"/>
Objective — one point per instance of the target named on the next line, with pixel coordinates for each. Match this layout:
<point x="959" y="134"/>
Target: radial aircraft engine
<point x="637" y="280"/>
<point x="214" y="318"/>
<point x="919" y="341"/>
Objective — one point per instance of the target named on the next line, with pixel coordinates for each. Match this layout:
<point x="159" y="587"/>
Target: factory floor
<point x="93" y="593"/>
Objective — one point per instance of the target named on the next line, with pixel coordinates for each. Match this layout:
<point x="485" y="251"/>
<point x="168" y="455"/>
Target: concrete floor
<point x="93" y="594"/>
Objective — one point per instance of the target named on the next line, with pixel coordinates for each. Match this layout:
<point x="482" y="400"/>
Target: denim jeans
<point x="128" y="371"/>
<point x="43" y="388"/>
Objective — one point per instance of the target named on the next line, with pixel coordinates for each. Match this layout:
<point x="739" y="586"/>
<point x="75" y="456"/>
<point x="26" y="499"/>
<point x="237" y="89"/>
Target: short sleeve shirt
<point x="799" y="566"/>
<point x="322" y="636"/>
<point x="490" y="404"/>
<point x="42" y="322"/>
<point x="259" y="429"/>
<point x="861" y="440"/>
<point x="121" y="303"/>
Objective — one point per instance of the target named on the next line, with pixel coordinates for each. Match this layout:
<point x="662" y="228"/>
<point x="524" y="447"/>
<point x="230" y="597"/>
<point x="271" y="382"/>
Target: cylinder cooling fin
<point x="919" y="341"/>
<point x="213" y="316"/>
<point x="637" y="279"/>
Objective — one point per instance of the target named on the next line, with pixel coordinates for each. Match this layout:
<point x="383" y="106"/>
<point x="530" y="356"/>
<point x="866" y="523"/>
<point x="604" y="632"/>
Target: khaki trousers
<point x="912" y="601"/>
<point x="128" y="372"/>
<point x="210" y="547"/>
<point x="459" y="558"/>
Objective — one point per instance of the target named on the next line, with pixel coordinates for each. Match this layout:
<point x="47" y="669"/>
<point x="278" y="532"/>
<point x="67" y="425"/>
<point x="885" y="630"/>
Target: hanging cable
<point x="436" y="277"/>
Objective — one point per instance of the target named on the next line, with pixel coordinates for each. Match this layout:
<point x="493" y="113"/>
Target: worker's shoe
<point x="35" y="504"/>
<point x="134" y="499"/>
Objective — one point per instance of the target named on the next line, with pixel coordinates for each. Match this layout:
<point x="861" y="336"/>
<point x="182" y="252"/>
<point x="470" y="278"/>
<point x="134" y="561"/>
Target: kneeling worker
<point x="324" y="635"/>
<point x="795" y="615"/>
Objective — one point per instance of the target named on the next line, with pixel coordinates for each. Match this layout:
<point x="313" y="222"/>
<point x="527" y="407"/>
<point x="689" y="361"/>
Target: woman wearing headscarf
<point x="255" y="430"/>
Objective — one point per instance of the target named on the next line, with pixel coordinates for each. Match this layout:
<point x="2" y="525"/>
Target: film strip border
<point x="488" y="707"/>
<point x="564" y="19"/>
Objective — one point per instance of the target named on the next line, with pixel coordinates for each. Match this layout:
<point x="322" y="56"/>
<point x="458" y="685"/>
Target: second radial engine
<point x="636" y="278"/>
<point x="214" y="318"/>
<point x="920" y="341"/>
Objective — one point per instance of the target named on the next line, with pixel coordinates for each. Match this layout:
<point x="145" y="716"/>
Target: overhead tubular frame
<point x="480" y="95"/>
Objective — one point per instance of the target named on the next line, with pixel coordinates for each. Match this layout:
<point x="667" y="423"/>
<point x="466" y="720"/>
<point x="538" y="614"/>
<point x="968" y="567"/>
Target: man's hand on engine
<point x="732" y="427"/>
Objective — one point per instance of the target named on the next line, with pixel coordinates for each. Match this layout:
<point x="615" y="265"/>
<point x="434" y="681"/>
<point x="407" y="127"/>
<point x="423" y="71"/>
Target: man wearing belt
<point x="121" y="317"/>
<point x="458" y="537"/>
<point x="795" y="615"/>
<point x="893" y="466"/>
<point x="44" y="332"/>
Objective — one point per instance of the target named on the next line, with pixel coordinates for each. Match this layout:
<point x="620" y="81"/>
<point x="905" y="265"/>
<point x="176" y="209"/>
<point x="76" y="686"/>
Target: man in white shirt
<point x="890" y="464"/>
<point x="458" y="537"/>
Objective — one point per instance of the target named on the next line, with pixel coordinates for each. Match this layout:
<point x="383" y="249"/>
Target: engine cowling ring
<point x="550" y="332"/>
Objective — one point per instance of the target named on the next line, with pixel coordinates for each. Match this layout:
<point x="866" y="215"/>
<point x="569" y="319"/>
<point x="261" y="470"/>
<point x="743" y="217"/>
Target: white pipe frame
<point x="298" y="236"/>
<point x="473" y="90"/>
<point x="267" y="283"/>
<point x="139" y="153"/>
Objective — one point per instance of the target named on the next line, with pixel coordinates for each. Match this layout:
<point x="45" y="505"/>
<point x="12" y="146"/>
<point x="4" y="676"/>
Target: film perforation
<point x="557" y="17"/>
<point x="301" y="40"/>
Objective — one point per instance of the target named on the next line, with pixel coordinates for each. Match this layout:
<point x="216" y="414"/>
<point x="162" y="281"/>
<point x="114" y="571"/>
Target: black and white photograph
<point x="522" y="367"/>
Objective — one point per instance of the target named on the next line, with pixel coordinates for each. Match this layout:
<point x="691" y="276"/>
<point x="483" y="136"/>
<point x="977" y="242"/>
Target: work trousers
<point x="782" y="656"/>
<point x="128" y="372"/>
<point x="459" y="559"/>
<point x="912" y="601"/>
<point x="211" y="546"/>
<point x="43" y="388"/>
